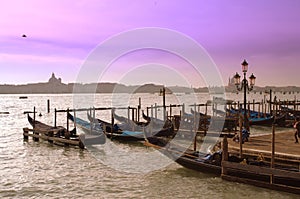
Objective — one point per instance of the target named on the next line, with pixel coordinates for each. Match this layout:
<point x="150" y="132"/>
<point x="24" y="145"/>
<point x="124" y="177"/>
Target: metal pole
<point x="245" y="99"/>
<point x="240" y="139"/>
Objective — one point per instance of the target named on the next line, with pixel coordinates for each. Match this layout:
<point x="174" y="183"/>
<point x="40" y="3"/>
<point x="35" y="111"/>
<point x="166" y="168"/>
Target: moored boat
<point x="123" y="131"/>
<point x="212" y="163"/>
<point x="58" y="131"/>
<point x="207" y="163"/>
<point x="268" y="121"/>
<point x="93" y="133"/>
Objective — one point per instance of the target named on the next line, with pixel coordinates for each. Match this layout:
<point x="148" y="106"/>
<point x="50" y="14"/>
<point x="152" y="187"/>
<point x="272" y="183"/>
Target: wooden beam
<point x="261" y="170"/>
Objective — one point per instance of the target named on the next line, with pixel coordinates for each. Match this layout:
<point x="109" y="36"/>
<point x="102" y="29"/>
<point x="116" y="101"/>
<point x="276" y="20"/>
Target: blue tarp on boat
<point x="132" y="133"/>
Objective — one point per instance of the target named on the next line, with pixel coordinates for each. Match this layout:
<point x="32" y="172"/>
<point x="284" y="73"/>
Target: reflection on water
<point x="38" y="169"/>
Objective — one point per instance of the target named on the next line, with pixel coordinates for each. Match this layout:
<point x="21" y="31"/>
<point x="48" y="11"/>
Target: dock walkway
<point x="285" y="146"/>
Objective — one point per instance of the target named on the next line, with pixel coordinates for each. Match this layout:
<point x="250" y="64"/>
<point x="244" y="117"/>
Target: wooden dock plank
<point x="285" y="146"/>
<point x="49" y="138"/>
<point x="260" y="170"/>
<point x="277" y="187"/>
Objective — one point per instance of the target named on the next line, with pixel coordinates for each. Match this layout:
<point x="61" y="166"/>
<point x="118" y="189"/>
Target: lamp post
<point x="244" y="85"/>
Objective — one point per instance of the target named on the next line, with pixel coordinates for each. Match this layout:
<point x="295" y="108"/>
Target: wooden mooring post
<point x="272" y="153"/>
<point x="225" y="154"/>
<point x="91" y="122"/>
<point x="113" y="119"/>
<point x="195" y="128"/>
<point x="139" y="109"/>
<point x="34" y="131"/>
<point x="48" y="106"/>
<point x="67" y="119"/>
<point x="128" y="113"/>
<point x="25" y="133"/>
<point x="55" y="114"/>
<point x="155" y="110"/>
<point x="50" y="134"/>
<point x="132" y="114"/>
<point x="34" y="117"/>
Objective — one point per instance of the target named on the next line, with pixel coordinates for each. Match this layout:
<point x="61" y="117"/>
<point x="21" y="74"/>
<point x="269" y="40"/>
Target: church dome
<point x="54" y="80"/>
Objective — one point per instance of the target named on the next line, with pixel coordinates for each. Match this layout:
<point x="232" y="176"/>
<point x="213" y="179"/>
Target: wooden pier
<point x="285" y="145"/>
<point x="48" y="136"/>
<point x="277" y="149"/>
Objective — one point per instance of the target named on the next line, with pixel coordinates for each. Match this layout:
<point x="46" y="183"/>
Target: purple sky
<point x="61" y="35"/>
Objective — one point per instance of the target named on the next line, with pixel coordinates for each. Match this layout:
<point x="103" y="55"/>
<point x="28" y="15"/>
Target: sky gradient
<point x="62" y="34"/>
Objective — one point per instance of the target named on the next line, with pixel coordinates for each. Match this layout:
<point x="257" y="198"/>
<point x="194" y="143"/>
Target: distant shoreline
<point x="55" y="86"/>
<point x="61" y="88"/>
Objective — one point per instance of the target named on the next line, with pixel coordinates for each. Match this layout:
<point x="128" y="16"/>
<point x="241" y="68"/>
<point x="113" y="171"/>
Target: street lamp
<point x="244" y="85"/>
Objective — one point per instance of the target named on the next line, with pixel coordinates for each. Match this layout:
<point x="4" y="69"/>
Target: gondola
<point x="157" y="122"/>
<point x="229" y="123"/>
<point x="130" y="122"/>
<point x="211" y="162"/>
<point x="123" y="132"/>
<point x="294" y="113"/>
<point x="93" y="134"/>
<point x="159" y="128"/>
<point x="256" y="119"/>
<point x="118" y="132"/>
<point x="253" y="114"/>
<point x="58" y="131"/>
<point x="268" y="121"/>
<point x="206" y="163"/>
<point x="198" y="113"/>
<point x="261" y="121"/>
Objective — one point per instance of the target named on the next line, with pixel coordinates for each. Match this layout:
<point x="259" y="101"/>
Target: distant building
<point x="54" y="80"/>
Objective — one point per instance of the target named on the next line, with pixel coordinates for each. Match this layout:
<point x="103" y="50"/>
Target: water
<point x="41" y="170"/>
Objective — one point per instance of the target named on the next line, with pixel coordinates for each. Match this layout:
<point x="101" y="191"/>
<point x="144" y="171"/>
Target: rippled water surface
<point x="41" y="170"/>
